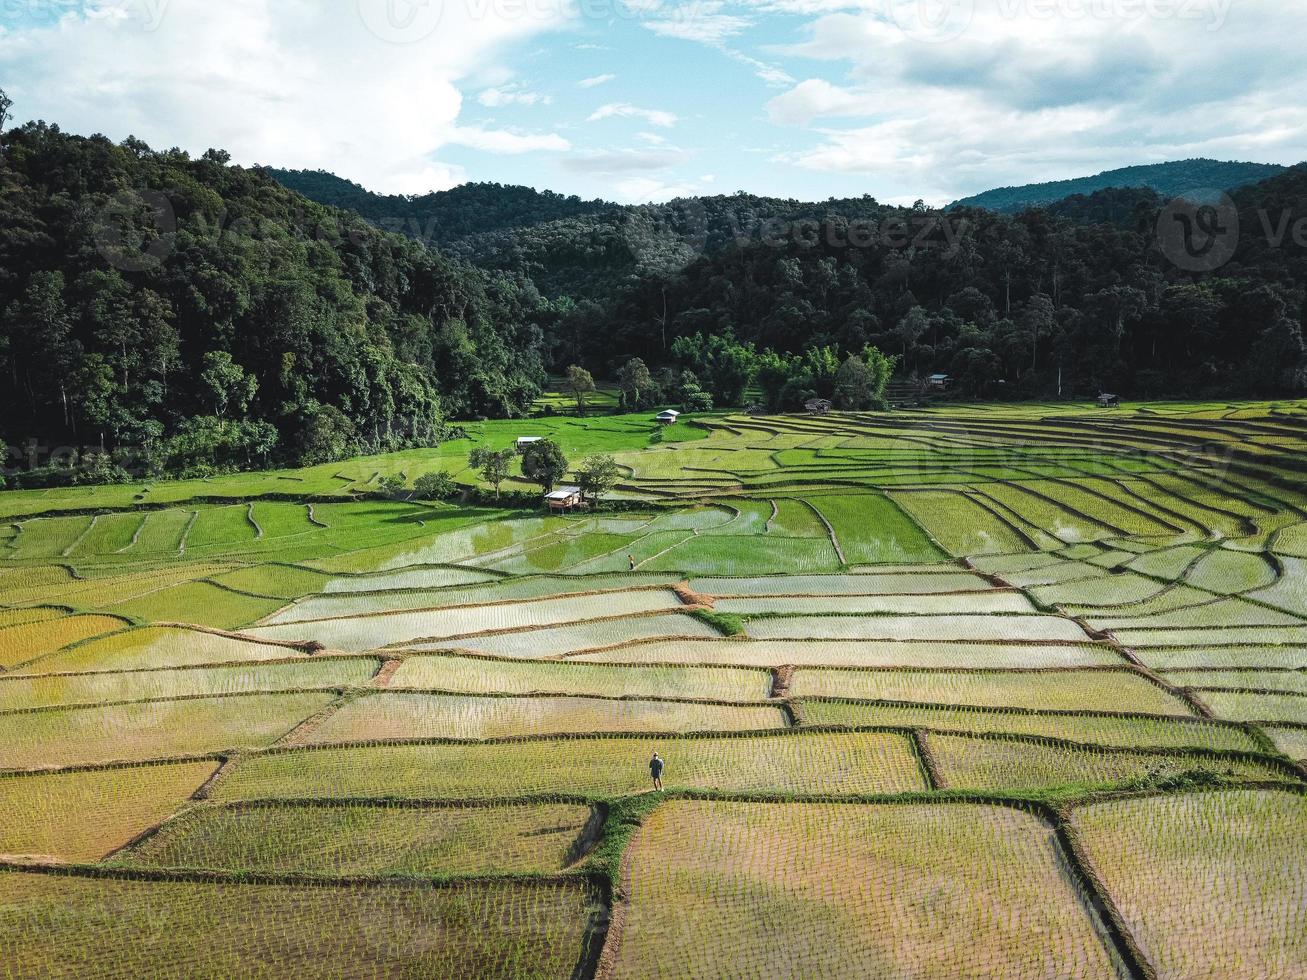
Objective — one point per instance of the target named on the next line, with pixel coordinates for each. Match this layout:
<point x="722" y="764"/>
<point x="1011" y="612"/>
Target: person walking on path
<point x="656" y="771"/>
<point x="631" y="559"/>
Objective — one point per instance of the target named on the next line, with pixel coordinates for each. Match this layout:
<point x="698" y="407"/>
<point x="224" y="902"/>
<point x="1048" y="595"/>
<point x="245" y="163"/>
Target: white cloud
<point x="654" y="117"/>
<point x="295" y="83"/>
<point x="812" y="98"/>
<point x="494" y="98"/>
<point x="502" y="141"/>
<point x="646" y="190"/>
<point x="702" y="21"/>
<point x="626" y="161"/>
<point x="595" y="80"/>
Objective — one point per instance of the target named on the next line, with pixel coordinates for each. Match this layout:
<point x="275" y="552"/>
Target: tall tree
<point x="544" y="463"/>
<point x="581" y="384"/>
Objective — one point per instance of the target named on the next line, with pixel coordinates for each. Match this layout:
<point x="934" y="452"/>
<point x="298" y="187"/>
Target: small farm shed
<point x="669" y="417"/>
<point x="939" y="382"/>
<point x="1109" y="401"/>
<point x="819" y="406"/>
<point x="564" y="498"/>
<point x="525" y="442"/>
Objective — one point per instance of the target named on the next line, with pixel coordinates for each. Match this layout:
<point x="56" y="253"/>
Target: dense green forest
<point x="1068" y="299"/>
<point x="220" y="320"/>
<point x="187" y="316"/>
<point x="1167" y="179"/>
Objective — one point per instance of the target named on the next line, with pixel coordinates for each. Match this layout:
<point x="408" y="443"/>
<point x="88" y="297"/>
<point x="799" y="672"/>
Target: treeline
<point x="1067" y="300"/>
<point x="169" y="315"/>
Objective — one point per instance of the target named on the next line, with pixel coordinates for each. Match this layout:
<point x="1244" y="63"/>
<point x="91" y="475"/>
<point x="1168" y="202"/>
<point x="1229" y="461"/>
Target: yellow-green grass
<point x="1055" y="690"/>
<point x="1210" y="884"/>
<point x="1223" y="613"/>
<point x="277" y="581"/>
<point x="723" y="554"/>
<point x="151" y="730"/>
<point x="72" y="927"/>
<point x="858" y="653"/>
<point x="840" y="890"/>
<point x="201" y="603"/>
<point x="1288" y="681"/>
<point x="869" y="528"/>
<point x="83" y="816"/>
<point x="1095" y="729"/>
<point x="157" y="646"/>
<point x="371" y="632"/>
<point x="1216" y="634"/>
<point x="67" y="689"/>
<point x="1207" y="657"/>
<point x="111" y="586"/>
<point x="31" y="641"/>
<point x="1291" y="741"/>
<point x="478" y="675"/>
<point x="970" y="603"/>
<point x="337" y="605"/>
<point x="1011" y="765"/>
<point x="1257" y="706"/>
<point x="1113" y="591"/>
<point x="602" y="767"/>
<point x="595" y="634"/>
<point x="368" y="839"/>
<point x="924" y="581"/>
<point x="943" y="627"/>
<point x="19" y="617"/>
<point x="1290" y="592"/>
<point x="1227" y="571"/>
<point x="397" y="716"/>
<point x="960" y="524"/>
<point x="408" y="578"/>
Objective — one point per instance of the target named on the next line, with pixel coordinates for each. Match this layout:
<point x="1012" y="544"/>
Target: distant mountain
<point x="1167" y="179"/>
<point x="441" y="217"/>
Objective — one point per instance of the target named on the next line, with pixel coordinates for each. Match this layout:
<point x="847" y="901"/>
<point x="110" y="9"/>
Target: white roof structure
<point x="669" y="414"/>
<point x="527" y="440"/>
<point x="563" y="493"/>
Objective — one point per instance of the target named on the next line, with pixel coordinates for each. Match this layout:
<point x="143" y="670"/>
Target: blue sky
<point x="637" y="100"/>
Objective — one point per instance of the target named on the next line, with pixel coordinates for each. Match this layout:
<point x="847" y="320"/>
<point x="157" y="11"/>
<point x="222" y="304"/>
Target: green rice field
<point x="971" y="691"/>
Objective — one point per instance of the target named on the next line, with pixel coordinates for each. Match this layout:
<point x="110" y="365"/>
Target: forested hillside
<point x="218" y="319"/>
<point x="1167" y="179"/>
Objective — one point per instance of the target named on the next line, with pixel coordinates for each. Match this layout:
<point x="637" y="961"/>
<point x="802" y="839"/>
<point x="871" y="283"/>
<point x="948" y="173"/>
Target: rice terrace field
<point x="990" y="691"/>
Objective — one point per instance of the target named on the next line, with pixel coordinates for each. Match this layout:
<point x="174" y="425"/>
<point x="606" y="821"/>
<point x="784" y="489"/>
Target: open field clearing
<point x="821" y="890"/>
<point x="31" y="641"/>
<point x="392" y="717"/>
<point x="971" y="602"/>
<point x="504" y="590"/>
<point x="1291" y="741"/>
<point x="949" y="579"/>
<point x="77" y="927"/>
<point x="476" y="675"/>
<point x="1055" y="690"/>
<point x="1257" y="706"/>
<point x="859" y="653"/>
<point x="155" y="647"/>
<point x="535" y="644"/>
<point x="67" y="689"/>
<point x="83" y="816"/>
<point x="1234" y="858"/>
<point x="150" y="730"/>
<point x="797" y="763"/>
<point x="1124" y="731"/>
<point x="367" y="839"/>
<point x="908" y="672"/>
<point x="941" y="627"/>
<point x="371" y="632"/>
<point x="994" y="764"/>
